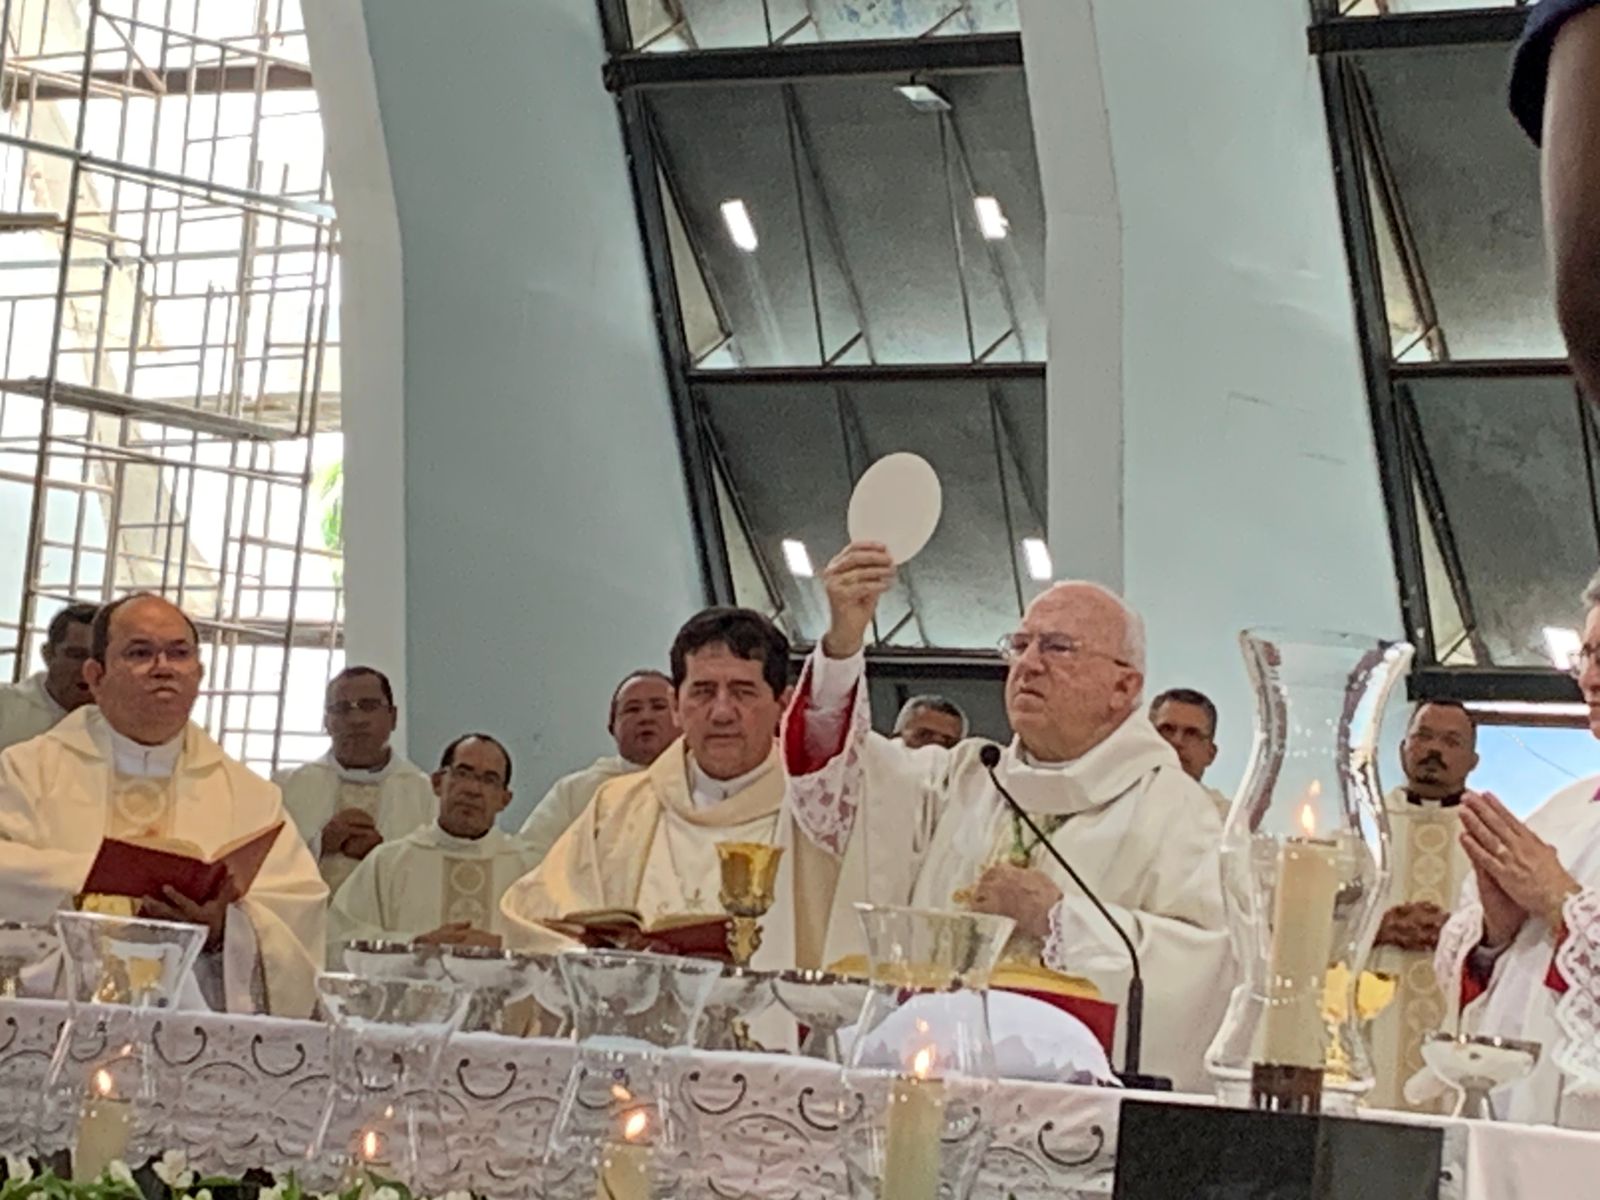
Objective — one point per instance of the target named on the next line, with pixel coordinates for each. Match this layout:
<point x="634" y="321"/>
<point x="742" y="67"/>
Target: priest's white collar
<point x="443" y="839"/>
<point x="1131" y="751"/>
<point x="361" y="774"/>
<point x="708" y="792"/>
<point x="147" y="762"/>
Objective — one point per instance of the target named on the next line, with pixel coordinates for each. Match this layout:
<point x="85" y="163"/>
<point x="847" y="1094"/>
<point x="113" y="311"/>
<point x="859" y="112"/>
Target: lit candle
<point x="1291" y="1033"/>
<point x="625" y="1165"/>
<point x="915" y="1127"/>
<point x="104" y="1127"/>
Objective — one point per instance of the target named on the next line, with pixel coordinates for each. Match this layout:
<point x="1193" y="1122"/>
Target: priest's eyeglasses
<point x="1583" y="660"/>
<point x="1053" y="648"/>
<point x="367" y="704"/>
<point x="489" y="779"/>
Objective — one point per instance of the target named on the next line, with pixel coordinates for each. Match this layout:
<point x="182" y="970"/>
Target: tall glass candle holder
<point x="620" y="1132"/>
<point x="920" y="1069"/>
<point x="100" y="1098"/>
<point x="1305" y="861"/>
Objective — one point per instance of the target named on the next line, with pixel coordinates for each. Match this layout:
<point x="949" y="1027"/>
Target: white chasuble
<point x="1544" y="987"/>
<point x="566" y="800"/>
<point x="1427" y="864"/>
<point x="424" y="880"/>
<point x="397" y="796"/>
<point x="644" y="845"/>
<point x="60" y="794"/>
<point x="27" y="709"/>
<point x="1141" y="833"/>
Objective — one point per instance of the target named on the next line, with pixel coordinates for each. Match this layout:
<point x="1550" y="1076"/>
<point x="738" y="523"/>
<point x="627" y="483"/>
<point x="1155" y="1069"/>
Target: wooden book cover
<point x="689" y="935"/>
<point x="143" y="866"/>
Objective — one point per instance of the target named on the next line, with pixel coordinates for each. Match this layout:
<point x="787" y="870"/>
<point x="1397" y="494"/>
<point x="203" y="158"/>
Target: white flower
<point x="117" y="1172"/>
<point x="202" y="1194"/>
<point x="173" y="1170"/>
<point x="18" y="1168"/>
<point x="275" y="1192"/>
<point x="386" y="1193"/>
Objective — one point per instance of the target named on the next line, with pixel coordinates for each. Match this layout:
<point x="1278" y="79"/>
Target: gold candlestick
<point x="749" y="873"/>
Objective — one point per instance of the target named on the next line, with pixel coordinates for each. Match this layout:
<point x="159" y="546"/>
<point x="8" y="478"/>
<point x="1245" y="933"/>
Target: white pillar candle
<point x="1291" y="1031"/>
<point x="915" y="1126"/>
<point x="104" y="1127"/>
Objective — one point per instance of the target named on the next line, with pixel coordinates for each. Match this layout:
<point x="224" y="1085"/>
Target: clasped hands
<point x="1519" y="874"/>
<point x="352" y="833"/>
<point x="1021" y="893"/>
<point x="173" y="905"/>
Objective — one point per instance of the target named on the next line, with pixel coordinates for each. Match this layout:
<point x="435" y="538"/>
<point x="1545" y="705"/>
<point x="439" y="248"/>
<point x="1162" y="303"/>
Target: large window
<point x="842" y="211"/>
<point x="1488" y="453"/>
<point x="169" y="376"/>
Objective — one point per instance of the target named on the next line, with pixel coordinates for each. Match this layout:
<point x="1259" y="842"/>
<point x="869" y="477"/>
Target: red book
<point x="688" y="935"/>
<point x="144" y="866"/>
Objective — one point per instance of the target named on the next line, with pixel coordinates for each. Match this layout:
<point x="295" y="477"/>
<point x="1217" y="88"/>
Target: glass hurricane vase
<point x="103" y="1093"/>
<point x="381" y="1117"/>
<point x="1305" y="861"/>
<point x="620" y="1131"/>
<point x="920" y="1069"/>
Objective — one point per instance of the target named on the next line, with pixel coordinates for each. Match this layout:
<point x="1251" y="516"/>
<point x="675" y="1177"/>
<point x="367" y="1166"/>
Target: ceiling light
<point x="923" y="98"/>
<point x="991" y="217"/>
<point x="1037" y="556"/>
<point x="798" y="558"/>
<point x="1563" y="645"/>
<point x="737" y="218"/>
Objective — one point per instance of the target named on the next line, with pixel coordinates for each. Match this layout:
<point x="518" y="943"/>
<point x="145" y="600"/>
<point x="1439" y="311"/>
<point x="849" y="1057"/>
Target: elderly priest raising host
<point x="927" y="825"/>
<point x="132" y="765"/>
<point x="1520" y="956"/>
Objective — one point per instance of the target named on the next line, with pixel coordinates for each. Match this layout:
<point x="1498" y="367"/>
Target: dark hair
<point x="1187" y="696"/>
<point x="72" y="614"/>
<point x="641" y="673"/>
<point x="1416" y="711"/>
<point x="745" y="632"/>
<point x="360" y="673"/>
<point x="448" y="758"/>
<point x="100" y="639"/>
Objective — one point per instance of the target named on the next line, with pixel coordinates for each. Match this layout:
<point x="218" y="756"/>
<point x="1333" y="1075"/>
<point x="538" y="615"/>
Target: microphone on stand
<point x="1133" y="1038"/>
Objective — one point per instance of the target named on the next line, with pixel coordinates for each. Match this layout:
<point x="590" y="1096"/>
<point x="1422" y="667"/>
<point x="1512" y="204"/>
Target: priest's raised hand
<point x="855" y="579"/>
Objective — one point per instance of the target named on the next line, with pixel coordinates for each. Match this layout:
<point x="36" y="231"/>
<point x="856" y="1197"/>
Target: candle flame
<point x="369" y="1144"/>
<point x="922" y="1063"/>
<point x="104" y="1085"/>
<point x="636" y="1125"/>
<point x="1308" y="819"/>
<point x="620" y="1094"/>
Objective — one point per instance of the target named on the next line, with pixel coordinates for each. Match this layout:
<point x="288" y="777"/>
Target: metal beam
<point x="906" y="373"/>
<point x="1527" y="684"/>
<point x="889" y="662"/>
<point x="1416" y="31"/>
<point x="1486" y="368"/>
<point x="22" y="83"/>
<point x="1372" y="334"/>
<point x="778" y="64"/>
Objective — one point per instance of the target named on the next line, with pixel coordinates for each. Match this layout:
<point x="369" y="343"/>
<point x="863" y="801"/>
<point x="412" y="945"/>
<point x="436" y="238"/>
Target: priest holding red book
<point x="133" y="768"/>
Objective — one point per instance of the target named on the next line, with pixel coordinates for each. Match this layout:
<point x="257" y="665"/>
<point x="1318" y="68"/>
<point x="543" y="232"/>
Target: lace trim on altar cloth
<point x="825" y="803"/>
<point x="1577" y="959"/>
<point x="1459" y="937"/>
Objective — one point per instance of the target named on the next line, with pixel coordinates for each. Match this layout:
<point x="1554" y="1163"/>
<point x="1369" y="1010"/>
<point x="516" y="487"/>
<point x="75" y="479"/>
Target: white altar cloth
<point x="251" y="1089"/>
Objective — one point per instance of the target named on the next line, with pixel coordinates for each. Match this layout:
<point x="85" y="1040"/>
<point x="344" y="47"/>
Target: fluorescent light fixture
<point x="1563" y="645"/>
<point x="737" y="218"/>
<point x="924" y="98"/>
<point x="798" y="558"/>
<point x="991" y="218"/>
<point x="1037" y="555"/>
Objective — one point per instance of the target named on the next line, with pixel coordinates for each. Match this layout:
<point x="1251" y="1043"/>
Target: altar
<point x="248" y="1090"/>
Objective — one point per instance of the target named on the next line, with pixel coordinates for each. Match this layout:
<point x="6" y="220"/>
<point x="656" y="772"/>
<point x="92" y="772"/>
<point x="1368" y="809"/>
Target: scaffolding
<point x="169" y="375"/>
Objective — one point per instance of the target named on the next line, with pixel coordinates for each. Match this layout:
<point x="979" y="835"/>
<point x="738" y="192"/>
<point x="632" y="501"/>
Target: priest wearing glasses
<point x="927" y="826"/>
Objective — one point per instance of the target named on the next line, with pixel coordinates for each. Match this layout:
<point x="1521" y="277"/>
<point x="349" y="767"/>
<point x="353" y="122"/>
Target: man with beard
<point x="1428" y="867"/>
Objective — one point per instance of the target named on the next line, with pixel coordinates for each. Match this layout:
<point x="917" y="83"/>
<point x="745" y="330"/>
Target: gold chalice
<point x="749" y="872"/>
